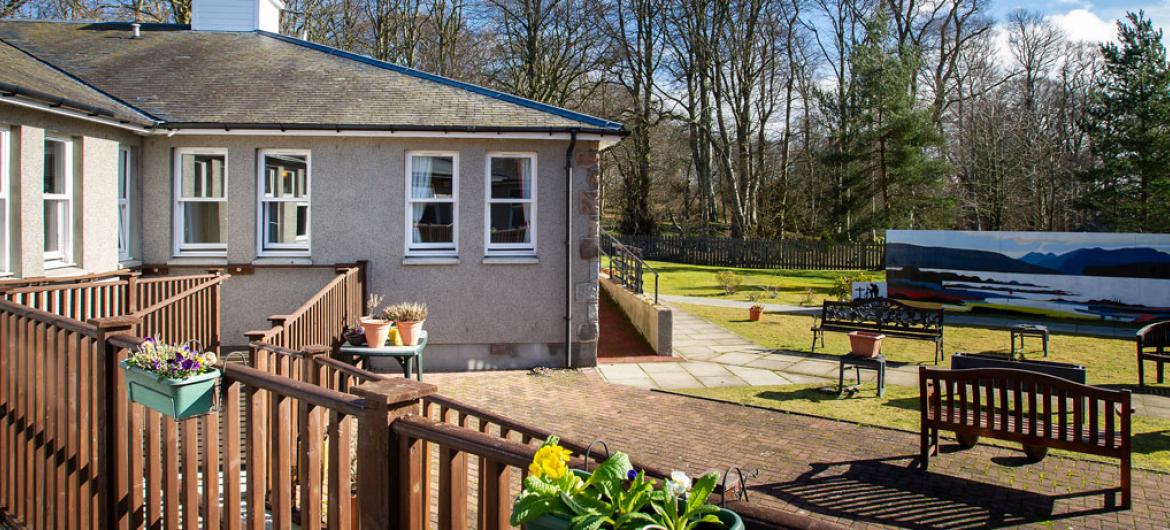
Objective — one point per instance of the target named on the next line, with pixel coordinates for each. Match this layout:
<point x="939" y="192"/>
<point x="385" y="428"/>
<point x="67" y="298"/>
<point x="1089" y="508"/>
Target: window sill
<point x="197" y="261"/>
<point x="430" y="260"/>
<point x="511" y="260"/>
<point x="58" y="269"/>
<point x="129" y="263"/>
<point x="283" y="260"/>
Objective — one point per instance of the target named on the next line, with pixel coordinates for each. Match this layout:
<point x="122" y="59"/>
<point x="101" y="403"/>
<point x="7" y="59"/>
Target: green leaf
<point x="582" y="503"/>
<point x="608" y="476"/>
<point x="591" y="521"/>
<point x="701" y="491"/>
<point x="538" y="486"/>
<point x="529" y="508"/>
<point x="633" y="521"/>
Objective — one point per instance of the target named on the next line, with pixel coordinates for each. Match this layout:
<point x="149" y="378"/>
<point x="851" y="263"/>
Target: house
<point x="226" y="145"/>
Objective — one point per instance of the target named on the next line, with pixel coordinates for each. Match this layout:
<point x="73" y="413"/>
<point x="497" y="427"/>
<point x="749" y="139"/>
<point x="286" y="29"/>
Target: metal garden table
<point x="407" y="356"/>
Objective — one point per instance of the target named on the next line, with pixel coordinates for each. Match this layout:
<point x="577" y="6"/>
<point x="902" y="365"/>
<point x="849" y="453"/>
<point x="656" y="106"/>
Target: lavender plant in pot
<point x="409" y="318"/>
<point x="376" y="328"/>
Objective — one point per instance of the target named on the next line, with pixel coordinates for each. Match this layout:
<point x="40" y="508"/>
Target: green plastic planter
<point x="177" y="398"/>
<point x="730" y="519"/>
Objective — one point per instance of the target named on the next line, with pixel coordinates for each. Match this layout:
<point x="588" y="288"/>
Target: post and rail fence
<point x="759" y="253"/>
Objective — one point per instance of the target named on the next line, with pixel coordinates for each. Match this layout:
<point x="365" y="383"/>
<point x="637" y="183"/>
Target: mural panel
<point x="1094" y="276"/>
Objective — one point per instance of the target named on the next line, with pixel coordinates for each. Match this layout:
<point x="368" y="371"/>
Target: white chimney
<point x="236" y="15"/>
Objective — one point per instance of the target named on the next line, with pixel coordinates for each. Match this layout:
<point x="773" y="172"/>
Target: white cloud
<point x="1084" y="26"/>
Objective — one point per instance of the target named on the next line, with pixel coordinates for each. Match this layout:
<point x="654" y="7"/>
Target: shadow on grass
<point x="816" y="395"/>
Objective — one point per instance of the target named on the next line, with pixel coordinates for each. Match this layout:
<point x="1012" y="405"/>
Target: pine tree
<point x="1128" y="124"/>
<point x="888" y="157"/>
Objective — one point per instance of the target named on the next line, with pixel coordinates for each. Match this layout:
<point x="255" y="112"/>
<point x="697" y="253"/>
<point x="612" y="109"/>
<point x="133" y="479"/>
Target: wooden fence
<point x="760" y="253"/>
<point x="322" y="318"/>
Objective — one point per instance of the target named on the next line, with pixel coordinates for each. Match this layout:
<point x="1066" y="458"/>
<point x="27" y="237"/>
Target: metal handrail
<point x="625" y="255"/>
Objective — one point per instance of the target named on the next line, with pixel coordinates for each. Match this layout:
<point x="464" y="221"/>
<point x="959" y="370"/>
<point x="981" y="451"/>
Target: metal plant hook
<point x="589" y="449"/>
<point x="741" y="493"/>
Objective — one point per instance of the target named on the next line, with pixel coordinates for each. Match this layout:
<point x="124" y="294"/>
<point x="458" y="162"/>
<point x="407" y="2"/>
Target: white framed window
<point x="125" y="176"/>
<point x="201" y="179"/>
<point x="5" y="265"/>
<point x="58" y="201"/>
<point x="283" y="207"/>
<point x="510" y="209"/>
<point x="432" y="206"/>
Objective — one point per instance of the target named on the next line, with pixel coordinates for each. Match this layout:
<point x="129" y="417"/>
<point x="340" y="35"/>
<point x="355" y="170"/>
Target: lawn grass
<point x="899" y="410"/>
<point x="1108" y="361"/>
<point x="792" y="285"/>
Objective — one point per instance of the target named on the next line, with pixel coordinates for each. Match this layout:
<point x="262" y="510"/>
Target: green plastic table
<point x="407" y="356"/>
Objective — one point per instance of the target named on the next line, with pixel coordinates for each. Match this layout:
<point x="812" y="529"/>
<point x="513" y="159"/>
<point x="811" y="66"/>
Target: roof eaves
<point x="593" y="121"/>
<point x="146" y="117"/>
<point x="339" y="127"/>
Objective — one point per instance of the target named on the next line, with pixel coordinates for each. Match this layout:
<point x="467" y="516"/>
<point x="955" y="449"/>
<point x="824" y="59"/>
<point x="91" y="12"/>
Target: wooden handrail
<point x="51" y="280"/>
<point x="971" y="375"/>
<point x="65" y="287"/>
<point x="49" y="318"/>
<point x="215" y="280"/>
<point x="347" y="404"/>
<point x="313" y="300"/>
<point x="264" y="346"/>
<point x="163" y="279"/>
<point x="348" y="369"/>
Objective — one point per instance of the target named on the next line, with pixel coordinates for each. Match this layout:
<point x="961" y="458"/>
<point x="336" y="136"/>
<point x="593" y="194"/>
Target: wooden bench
<point x="1153" y="344"/>
<point x="882" y="315"/>
<point x="1039" y="411"/>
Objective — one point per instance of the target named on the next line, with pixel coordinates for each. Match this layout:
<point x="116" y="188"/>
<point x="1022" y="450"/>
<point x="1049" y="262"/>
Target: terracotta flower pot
<point x="754" y="313"/>
<point x="865" y="344"/>
<point x="409" y="331"/>
<point x="376" y="332"/>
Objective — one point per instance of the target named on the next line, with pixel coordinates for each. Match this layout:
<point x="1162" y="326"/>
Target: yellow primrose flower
<point x="549" y="462"/>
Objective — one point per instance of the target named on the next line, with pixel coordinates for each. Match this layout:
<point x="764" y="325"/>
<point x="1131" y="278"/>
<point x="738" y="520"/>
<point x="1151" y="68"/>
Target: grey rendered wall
<point x="358" y="212"/>
<point x="95" y="188"/>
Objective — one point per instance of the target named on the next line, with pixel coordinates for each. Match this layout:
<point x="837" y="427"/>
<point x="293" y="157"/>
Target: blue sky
<point x="1085" y="19"/>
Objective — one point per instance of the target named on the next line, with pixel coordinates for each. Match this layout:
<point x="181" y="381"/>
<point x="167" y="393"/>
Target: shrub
<point x="729" y="281"/>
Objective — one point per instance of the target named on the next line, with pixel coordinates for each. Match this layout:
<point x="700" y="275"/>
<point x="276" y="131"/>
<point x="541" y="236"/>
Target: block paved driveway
<point x="854" y="475"/>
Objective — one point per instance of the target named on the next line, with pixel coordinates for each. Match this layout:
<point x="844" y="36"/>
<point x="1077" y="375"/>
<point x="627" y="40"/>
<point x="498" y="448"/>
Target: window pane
<point x="432" y="177"/>
<point x="203" y="222"/>
<point x="511" y="178"/>
<point x="286" y="176"/>
<point x="510" y="223"/>
<point x="122" y="184"/>
<point x="286" y="222"/>
<point x="54" y="166"/>
<point x="123" y="222"/>
<point x="55" y="218"/>
<point x="433" y="223"/>
<point x="203" y="176"/>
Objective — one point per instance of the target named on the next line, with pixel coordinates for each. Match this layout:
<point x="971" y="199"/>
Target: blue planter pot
<point x="177" y="398"/>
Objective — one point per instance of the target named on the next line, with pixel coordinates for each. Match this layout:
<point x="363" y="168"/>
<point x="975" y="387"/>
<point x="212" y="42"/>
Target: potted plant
<point x="376" y="329"/>
<point x="613" y="496"/>
<point x="756" y="310"/>
<point x="865" y="344"/>
<point x="354" y="335"/>
<point x="408" y="318"/>
<point x="178" y="381"/>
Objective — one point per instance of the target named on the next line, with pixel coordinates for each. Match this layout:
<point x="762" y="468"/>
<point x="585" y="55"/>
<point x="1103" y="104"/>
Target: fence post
<point x="132" y="293"/>
<point x="384" y="487"/>
<point x="112" y="424"/>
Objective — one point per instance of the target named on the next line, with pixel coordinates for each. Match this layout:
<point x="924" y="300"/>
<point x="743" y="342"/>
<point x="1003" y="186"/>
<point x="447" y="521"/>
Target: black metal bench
<point x="882" y="315"/>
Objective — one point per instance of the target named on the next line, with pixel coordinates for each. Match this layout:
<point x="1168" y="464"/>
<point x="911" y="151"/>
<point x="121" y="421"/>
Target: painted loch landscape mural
<point x="1103" y="277"/>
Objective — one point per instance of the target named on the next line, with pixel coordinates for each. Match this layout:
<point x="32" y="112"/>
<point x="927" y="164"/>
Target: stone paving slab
<point x="858" y="476"/>
<point x="709" y="343"/>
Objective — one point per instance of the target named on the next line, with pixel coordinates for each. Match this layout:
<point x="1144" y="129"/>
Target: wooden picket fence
<point x="760" y="253"/>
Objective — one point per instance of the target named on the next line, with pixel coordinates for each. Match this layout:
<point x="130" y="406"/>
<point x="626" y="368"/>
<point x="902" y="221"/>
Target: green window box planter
<point x="730" y="519"/>
<point x="177" y="398"/>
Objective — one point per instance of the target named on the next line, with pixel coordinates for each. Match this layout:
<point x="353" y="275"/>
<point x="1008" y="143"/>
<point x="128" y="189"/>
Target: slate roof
<point x="25" y="76"/>
<point x="189" y="79"/>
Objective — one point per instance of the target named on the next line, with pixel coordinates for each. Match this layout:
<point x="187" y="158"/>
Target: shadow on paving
<point x="877" y="491"/>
